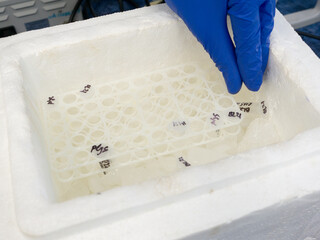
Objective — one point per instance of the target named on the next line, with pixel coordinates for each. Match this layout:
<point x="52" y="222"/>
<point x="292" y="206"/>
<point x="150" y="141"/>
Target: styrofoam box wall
<point x="121" y="45"/>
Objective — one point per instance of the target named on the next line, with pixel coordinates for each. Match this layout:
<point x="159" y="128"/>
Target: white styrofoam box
<point x="34" y="64"/>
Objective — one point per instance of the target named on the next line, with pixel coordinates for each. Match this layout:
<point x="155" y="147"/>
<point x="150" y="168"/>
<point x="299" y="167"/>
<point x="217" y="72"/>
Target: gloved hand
<point x="252" y="23"/>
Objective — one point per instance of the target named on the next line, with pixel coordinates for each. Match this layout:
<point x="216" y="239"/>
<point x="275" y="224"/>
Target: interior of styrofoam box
<point x="105" y="117"/>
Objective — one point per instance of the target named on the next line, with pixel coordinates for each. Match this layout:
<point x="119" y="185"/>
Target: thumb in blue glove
<point x="252" y="23"/>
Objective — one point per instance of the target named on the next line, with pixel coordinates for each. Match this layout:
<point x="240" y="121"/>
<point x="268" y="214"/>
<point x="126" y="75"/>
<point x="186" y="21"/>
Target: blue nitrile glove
<point x="252" y="23"/>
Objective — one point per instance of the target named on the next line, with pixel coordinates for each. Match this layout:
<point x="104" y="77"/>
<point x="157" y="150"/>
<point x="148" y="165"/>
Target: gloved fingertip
<point x="233" y="82"/>
<point x="254" y="88"/>
<point x="254" y="84"/>
<point x="234" y="89"/>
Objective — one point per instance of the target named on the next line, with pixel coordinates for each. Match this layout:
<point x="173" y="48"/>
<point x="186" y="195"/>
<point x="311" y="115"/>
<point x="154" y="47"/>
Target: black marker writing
<point x="244" y="104"/>
<point x="184" y="162"/>
<point x="264" y="107"/>
<point x="177" y="124"/>
<point x="50" y="100"/>
<point x="215" y="118"/>
<point x="86" y="89"/>
<point x="243" y="109"/>
<point x="235" y="114"/>
<point x="99" y="148"/>
<point x="104" y="165"/>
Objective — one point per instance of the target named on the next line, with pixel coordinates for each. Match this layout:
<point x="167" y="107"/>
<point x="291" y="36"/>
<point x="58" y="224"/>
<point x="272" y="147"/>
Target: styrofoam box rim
<point x="31" y="207"/>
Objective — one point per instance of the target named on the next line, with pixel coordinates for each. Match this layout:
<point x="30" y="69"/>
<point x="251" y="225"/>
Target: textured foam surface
<point x="166" y="208"/>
